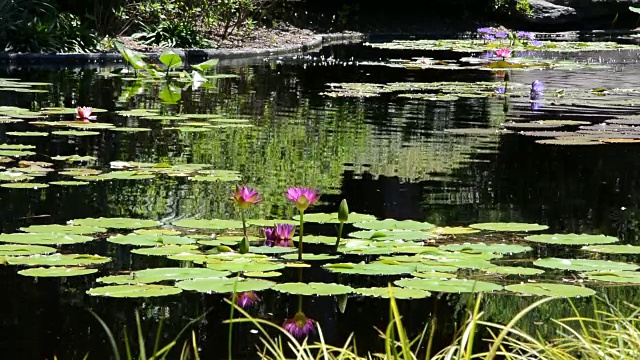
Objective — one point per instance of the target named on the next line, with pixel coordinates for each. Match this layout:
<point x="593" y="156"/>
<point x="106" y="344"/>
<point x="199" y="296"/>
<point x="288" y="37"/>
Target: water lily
<point x="247" y="299"/>
<point x="488" y="37"/>
<point x="500" y="90"/>
<point x="302" y="197"/>
<point x="503" y="53"/>
<point x="501" y="34"/>
<point x="300" y="326"/>
<point x="84" y="113"/>
<point x="525" y="35"/>
<point x="537" y="87"/>
<point x="536" y="43"/>
<point x="280" y="235"/>
<point x="245" y="196"/>
<point x="485" y="30"/>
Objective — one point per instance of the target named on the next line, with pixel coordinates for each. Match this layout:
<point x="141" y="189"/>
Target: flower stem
<point x="300" y="235"/>
<point x="335" y="249"/>
<point x="244" y="223"/>
<point x="299" y="303"/>
<point x="233" y="302"/>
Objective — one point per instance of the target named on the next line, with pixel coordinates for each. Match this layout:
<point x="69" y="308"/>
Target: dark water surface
<point x="386" y="155"/>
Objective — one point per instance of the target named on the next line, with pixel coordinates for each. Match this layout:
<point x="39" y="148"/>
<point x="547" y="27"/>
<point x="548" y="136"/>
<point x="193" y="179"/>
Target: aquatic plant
<point x="247" y="299"/>
<point x="84" y="113"/>
<point x="302" y="198"/>
<point x="343" y="216"/>
<point x="245" y="197"/>
<point x="300" y="326"/>
<point x="279" y="235"/>
<point x="504" y="53"/>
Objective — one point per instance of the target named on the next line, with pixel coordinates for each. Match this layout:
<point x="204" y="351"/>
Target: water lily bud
<point x="243" y="248"/>
<point x="343" y="211"/>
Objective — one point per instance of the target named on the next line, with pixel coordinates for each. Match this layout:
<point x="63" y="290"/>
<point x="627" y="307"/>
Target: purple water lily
<point x="300" y="326"/>
<point x="525" y="35"/>
<point x="501" y="34"/>
<point x="537" y="87"/>
<point x="487" y="37"/>
<point x="485" y="30"/>
<point x="302" y="197"/>
<point x="247" y="299"/>
<point x="245" y="196"/>
<point x="536" y="43"/>
<point x="500" y="90"/>
<point x="280" y="235"/>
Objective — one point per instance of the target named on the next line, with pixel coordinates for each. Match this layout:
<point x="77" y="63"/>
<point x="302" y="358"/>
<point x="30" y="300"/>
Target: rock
<point x="547" y="13"/>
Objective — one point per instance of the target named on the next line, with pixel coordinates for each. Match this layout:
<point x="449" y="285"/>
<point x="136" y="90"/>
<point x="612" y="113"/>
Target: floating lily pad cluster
<point x="441" y="91"/>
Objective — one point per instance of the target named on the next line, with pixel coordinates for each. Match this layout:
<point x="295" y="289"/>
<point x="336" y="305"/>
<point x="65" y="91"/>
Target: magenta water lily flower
<point x="246" y="196"/>
<point x="280" y="235"/>
<point x="503" y="53"/>
<point x="302" y="197"/>
<point x="300" y="326"/>
<point x="247" y="299"/>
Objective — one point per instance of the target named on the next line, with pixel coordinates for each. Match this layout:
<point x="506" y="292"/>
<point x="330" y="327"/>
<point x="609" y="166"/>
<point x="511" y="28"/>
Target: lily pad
<point x="150" y="240"/>
<point x="208" y="224"/>
<point x="517" y="227"/>
<point x="318" y="239"/>
<point x="262" y="274"/>
<point x="16" y="153"/>
<point x="129" y="129"/>
<point x="613" y="249"/>
<point x="381" y="235"/>
<point x="75" y="133"/>
<point x="25" y="185"/>
<point x="434" y="274"/>
<point x="225" y="285"/>
<point x="154" y="275"/>
<point x="391" y="224"/>
<point x="265" y="222"/>
<point x="63" y="229"/>
<point x="134" y="291"/>
<point x="584" y="264"/>
<point x="44" y="238"/>
<point x="374" y="268"/>
<point x="627" y="277"/>
<point x="24" y="250"/>
<point x="398" y="292"/>
<point x="58" y="260"/>
<point x="571" y="239"/>
<point x="116" y="223"/>
<point x="457" y="230"/>
<point x="332" y="218"/>
<point x="166" y="250"/>
<point x="272" y="250"/>
<point x="449" y="285"/>
<point x="69" y="183"/>
<point x="57" y="271"/>
<point x="27" y="133"/>
<point x="310" y="257"/>
<point x="545" y="289"/>
<point x="157" y="231"/>
<point x="241" y="265"/>
<point x="313" y="288"/>
<point x="492" y="248"/>
<point x="513" y="270"/>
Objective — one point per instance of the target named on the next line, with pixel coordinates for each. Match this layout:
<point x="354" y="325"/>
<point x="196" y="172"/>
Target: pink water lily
<point x="300" y="326"/>
<point x="84" y="112"/>
<point x="245" y="196"/>
<point x="247" y="299"/>
<point x="302" y="197"/>
<point x="503" y="53"/>
<point x="280" y="235"/>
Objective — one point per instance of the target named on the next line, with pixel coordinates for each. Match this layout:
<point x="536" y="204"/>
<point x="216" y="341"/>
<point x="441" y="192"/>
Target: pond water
<point x="389" y="156"/>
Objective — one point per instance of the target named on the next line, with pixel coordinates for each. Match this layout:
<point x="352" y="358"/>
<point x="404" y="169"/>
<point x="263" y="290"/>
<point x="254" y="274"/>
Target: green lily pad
<point x="14" y="176"/>
<point x="627" y="277"/>
<point x="492" y="248"/>
<point x="272" y="250"/>
<point x="58" y="260"/>
<point x="571" y="239"/>
<point x="16" y="153"/>
<point x="241" y="265"/>
<point x="391" y="224"/>
<point x="265" y="222"/>
<point x="310" y="257"/>
<point x="332" y="218"/>
<point x="208" y="224"/>
<point x="27" y="133"/>
<point x="449" y="285"/>
<point x="166" y="250"/>
<point x="16" y="146"/>
<point x="134" y="291"/>
<point x="398" y="292"/>
<point x="154" y="275"/>
<point x="374" y="268"/>
<point x="262" y="274"/>
<point x="44" y="238"/>
<point x="75" y="133"/>
<point x="64" y="229"/>
<point x="157" y="231"/>
<point x="57" y="271"/>
<point x="150" y="240"/>
<point x="457" y="230"/>
<point x="379" y="235"/>
<point x="225" y="285"/>
<point x="25" y="185"/>
<point x="571" y="140"/>
<point x="513" y="270"/>
<point x="584" y="264"/>
<point x="318" y="239"/>
<point x="518" y="227"/>
<point x="313" y="288"/>
<point x="69" y="183"/>
<point x="24" y="250"/>
<point x="434" y="274"/>
<point x="613" y="249"/>
<point x="129" y="129"/>
<point x="116" y="223"/>
<point x="544" y="289"/>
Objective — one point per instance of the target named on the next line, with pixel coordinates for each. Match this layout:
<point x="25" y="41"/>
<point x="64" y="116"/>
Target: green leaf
<point x="58" y="260"/>
<point x="457" y="230"/>
<point x="44" y="238"/>
<point x="571" y="239"/>
<point x="206" y="65"/>
<point x="25" y="185"/>
<point x="492" y="248"/>
<point x="313" y="288"/>
<point x="170" y="59"/>
<point x="513" y="270"/>
<point x="627" y="277"/>
<point x="391" y="224"/>
<point x="584" y="264"/>
<point x="634" y="9"/>
<point x="517" y="227"/>
<point x="392" y="235"/>
<point x="272" y="250"/>
<point x="131" y="57"/>
<point x="57" y="271"/>
<point x="449" y="285"/>
<point x="170" y="95"/>
<point x="23" y="250"/>
<point x="64" y="229"/>
<point x="545" y="289"/>
<point x="167" y="250"/>
<point x="310" y="257"/>
<point x="208" y="224"/>
<point x="225" y="285"/>
<point x="374" y="268"/>
<point x="134" y="291"/>
<point x="332" y="218"/>
<point x="613" y="249"/>
<point x="242" y="264"/>
<point x="116" y="223"/>
<point x="154" y="275"/>
<point x="398" y="292"/>
<point x="150" y="240"/>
